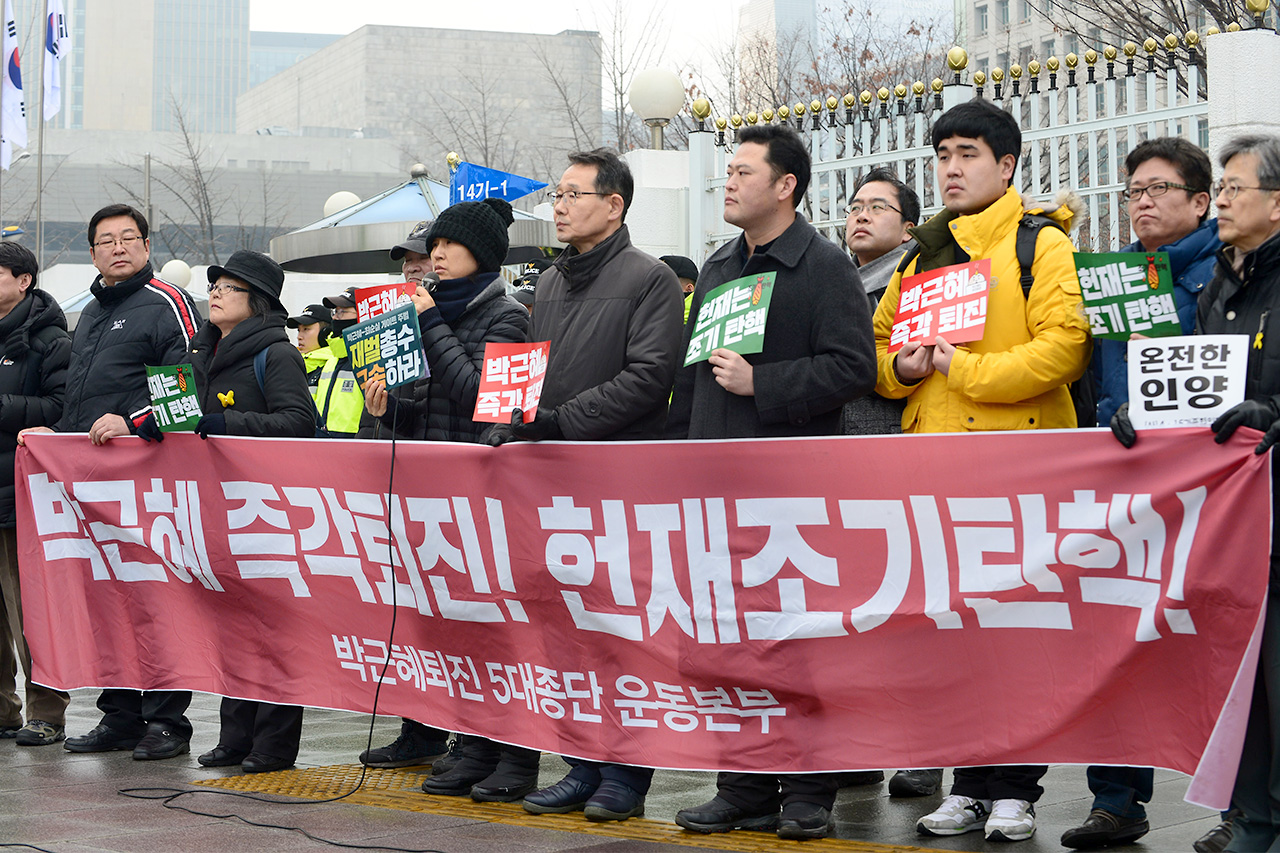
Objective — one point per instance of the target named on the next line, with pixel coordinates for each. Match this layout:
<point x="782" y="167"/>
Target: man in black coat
<point x="612" y="315"/>
<point x="134" y="320"/>
<point x="819" y="353"/>
<point x="34" y="350"/>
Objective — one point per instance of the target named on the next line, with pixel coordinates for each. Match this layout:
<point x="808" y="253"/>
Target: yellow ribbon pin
<point x="1257" y="341"/>
<point x="227" y="399"/>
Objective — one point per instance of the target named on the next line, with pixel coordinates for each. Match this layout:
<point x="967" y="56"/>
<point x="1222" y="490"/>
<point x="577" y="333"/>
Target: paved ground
<point x="54" y="800"/>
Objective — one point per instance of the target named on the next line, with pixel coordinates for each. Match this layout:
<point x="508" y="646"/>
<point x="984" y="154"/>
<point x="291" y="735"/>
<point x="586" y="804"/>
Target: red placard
<point x="381" y="298"/>
<point x="949" y="301"/>
<point x="694" y="604"/>
<point x="512" y="379"/>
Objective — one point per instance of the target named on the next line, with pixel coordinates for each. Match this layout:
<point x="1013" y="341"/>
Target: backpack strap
<point x="260" y="373"/>
<point x="907" y="257"/>
<point x="1025" y="246"/>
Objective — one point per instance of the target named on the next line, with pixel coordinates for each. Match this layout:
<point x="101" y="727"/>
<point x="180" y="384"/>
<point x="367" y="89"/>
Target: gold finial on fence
<point x="1257" y="8"/>
<point x="767" y="115"/>
<point x="1015" y="71"/>
<point x="1192" y="38"/>
<point x="1212" y="31"/>
<point x="701" y="109"/>
<point x="1171" y="42"/>
<point x="849" y="100"/>
<point x="721" y="124"/>
<point x="936" y="85"/>
<point x="957" y="59"/>
<point x="752" y="118"/>
<point x="917" y="88"/>
<point x="832" y="103"/>
<point x="1052" y="64"/>
<point x="883" y="94"/>
<point x="736" y="121"/>
<point x="1110" y="53"/>
<point x="865" y="97"/>
<point x="997" y="75"/>
<point x="783" y="112"/>
<point x="1072" y="61"/>
<point x="798" y="109"/>
<point x="815" y="105"/>
<point x="1130" y="49"/>
<point x="1091" y="56"/>
<point x="1233" y="27"/>
<point x="979" y="79"/>
<point x="1151" y="45"/>
<point x="900" y="91"/>
<point x="452" y="159"/>
<point x="1033" y="68"/>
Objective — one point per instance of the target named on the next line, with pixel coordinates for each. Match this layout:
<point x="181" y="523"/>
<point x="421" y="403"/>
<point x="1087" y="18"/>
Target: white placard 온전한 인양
<point x="1185" y="381"/>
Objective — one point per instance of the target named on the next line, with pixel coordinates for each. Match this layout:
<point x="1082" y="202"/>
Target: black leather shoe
<point x="567" y="795"/>
<point x="805" y="820"/>
<point x="915" y="783"/>
<point x="717" y="815"/>
<point x="220" y="756"/>
<point x="1217" y="839"/>
<point x="860" y="777"/>
<point x="160" y="743"/>
<point x="1103" y="829"/>
<point x="101" y="739"/>
<point x="614" y="801"/>
<point x="256" y="762"/>
<point x="479" y="759"/>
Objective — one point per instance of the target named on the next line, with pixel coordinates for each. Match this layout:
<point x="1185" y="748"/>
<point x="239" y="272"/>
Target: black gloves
<point x="212" y="425"/>
<point x="545" y="425"/>
<point x="149" y="429"/>
<point x="1122" y="427"/>
<point x="1256" y="414"/>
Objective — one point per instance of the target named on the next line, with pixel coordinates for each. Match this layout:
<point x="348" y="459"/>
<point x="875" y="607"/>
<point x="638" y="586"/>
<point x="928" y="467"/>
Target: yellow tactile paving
<point x="402" y="789"/>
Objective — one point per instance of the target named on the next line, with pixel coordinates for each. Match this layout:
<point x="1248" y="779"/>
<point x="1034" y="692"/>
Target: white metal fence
<point x="1079" y="119"/>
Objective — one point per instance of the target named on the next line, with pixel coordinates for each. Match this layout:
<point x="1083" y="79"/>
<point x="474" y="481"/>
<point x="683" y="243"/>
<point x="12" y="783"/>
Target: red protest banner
<point x="693" y="604"/>
<point x="949" y="301"/>
<point x="381" y="298"/>
<point x="512" y="379"/>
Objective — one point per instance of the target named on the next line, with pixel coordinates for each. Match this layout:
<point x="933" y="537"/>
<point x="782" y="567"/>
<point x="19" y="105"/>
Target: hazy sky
<point x="694" y="22"/>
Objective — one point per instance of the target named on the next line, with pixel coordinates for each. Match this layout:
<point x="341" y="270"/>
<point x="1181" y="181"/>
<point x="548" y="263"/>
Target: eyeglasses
<point x="110" y="242"/>
<point x="570" y="196"/>
<point x="1155" y="190"/>
<point x="877" y="207"/>
<point x="219" y="287"/>
<point x="1233" y="190"/>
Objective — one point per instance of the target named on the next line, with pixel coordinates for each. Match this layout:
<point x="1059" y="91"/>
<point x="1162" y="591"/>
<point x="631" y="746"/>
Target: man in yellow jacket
<point x="1015" y="377"/>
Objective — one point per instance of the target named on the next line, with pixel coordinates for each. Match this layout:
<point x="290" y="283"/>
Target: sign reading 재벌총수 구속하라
<point x="387" y="347"/>
<point x="601" y="600"/>
<point x="1127" y="292"/>
<point x="174" y="399"/>
<point x="949" y="301"/>
<point x="1185" y="381"/>
<point x="512" y="379"/>
<point x="732" y="316"/>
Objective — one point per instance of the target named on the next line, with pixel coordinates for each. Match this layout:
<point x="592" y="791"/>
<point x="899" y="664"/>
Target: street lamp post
<point x="656" y="95"/>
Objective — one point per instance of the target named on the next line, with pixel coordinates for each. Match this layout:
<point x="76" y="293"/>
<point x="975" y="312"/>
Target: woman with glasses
<point x="251" y="381"/>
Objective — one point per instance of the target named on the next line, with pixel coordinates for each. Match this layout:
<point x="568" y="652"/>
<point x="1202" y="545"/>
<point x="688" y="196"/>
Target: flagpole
<point x="44" y="36"/>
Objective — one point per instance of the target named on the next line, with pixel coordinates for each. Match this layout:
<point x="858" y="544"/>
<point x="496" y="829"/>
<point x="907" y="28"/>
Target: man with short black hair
<point x="1015" y="377"/>
<point x="34" y="351"/>
<point x="135" y="319"/>
<point x="612" y="315"/>
<point x="817" y="355"/>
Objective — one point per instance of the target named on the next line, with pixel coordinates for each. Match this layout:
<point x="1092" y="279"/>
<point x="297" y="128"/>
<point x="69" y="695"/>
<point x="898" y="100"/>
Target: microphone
<point x="430" y="281"/>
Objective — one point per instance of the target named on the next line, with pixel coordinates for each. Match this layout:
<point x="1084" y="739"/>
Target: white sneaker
<point x="1011" y="820"/>
<point x="956" y="816"/>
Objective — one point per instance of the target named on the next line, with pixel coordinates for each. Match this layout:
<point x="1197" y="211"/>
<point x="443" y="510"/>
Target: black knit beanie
<point x="481" y="226"/>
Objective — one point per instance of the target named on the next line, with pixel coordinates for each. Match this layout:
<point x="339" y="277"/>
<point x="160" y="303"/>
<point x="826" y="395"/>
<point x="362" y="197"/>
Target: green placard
<point x="387" y="347"/>
<point x="174" y="399"/>
<point x="1128" y="292"/>
<point x="732" y="317"/>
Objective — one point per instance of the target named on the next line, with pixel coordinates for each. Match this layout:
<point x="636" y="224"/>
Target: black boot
<point x="479" y="759"/>
<point x="515" y="776"/>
